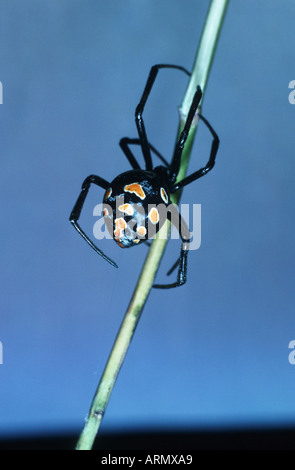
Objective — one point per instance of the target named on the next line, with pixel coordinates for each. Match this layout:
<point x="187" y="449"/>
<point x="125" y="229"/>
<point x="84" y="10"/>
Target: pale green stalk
<point x="199" y="76"/>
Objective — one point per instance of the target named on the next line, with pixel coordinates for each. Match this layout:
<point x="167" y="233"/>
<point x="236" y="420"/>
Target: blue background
<point x="214" y="353"/>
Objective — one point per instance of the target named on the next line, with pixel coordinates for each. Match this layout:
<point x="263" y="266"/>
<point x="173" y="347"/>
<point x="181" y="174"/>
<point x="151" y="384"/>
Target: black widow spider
<point x="132" y="199"/>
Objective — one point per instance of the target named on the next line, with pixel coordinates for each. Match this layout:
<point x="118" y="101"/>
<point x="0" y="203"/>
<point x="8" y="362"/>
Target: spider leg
<point x="182" y="261"/>
<point x="203" y="171"/>
<point x="182" y="271"/>
<point x="124" y="144"/>
<point x="140" y="107"/>
<point x="76" y="212"/>
<point x="175" y="165"/>
<point x="173" y="267"/>
<point x="210" y="164"/>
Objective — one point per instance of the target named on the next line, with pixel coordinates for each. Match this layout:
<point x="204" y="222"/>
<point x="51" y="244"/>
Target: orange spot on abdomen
<point x="141" y="231"/>
<point x="127" y="208"/>
<point x="120" y="225"/>
<point x="135" y="188"/>
<point x="154" y="215"/>
<point x="164" y="195"/>
<point x="108" y="193"/>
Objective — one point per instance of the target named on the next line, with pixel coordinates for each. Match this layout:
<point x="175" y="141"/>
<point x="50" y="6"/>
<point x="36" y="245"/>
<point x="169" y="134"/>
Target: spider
<point x="132" y="199"/>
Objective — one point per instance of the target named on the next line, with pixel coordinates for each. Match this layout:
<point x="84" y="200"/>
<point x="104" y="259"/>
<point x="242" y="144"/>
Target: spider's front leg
<point x="140" y="108"/>
<point x="209" y="165"/>
<point x="76" y="212"/>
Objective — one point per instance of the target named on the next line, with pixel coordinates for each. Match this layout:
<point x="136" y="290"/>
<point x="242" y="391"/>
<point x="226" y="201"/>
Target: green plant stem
<point x="199" y="76"/>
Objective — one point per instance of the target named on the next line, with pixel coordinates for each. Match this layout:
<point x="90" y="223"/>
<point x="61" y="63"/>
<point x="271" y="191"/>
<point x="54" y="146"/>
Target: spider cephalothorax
<point x="137" y="202"/>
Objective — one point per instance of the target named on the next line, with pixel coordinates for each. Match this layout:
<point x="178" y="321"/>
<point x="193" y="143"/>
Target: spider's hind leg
<point x="185" y="235"/>
<point x="182" y="271"/>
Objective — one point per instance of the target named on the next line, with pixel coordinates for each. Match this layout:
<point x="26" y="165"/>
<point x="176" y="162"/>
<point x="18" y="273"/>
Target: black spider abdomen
<point x="134" y="206"/>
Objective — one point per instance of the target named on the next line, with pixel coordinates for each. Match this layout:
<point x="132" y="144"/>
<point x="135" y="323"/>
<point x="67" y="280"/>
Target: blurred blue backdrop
<point x="214" y="353"/>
